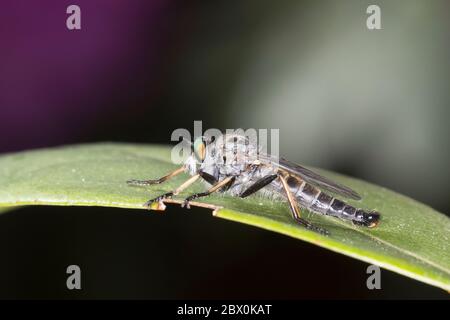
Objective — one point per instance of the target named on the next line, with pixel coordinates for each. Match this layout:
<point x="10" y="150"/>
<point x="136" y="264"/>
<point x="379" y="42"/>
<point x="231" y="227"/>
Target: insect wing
<point x="312" y="177"/>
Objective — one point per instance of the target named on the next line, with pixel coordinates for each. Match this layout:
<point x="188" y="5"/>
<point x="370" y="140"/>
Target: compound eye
<point x="199" y="149"/>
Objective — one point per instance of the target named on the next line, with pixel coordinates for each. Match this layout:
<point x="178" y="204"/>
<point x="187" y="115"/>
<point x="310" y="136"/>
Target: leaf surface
<point x="412" y="238"/>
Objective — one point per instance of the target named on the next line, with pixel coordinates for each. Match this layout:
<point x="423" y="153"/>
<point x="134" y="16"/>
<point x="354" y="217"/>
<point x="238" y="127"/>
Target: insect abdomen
<point x="318" y="201"/>
<point x="358" y="216"/>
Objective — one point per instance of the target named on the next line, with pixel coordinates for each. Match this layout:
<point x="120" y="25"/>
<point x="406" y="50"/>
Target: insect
<point x="234" y="165"/>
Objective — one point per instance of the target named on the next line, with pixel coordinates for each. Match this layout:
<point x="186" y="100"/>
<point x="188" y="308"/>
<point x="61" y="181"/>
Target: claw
<point x="312" y="227"/>
<point x="186" y="204"/>
<point x="187" y="200"/>
<point x="161" y="198"/>
<point x="150" y="202"/>
<point x="318" y="230"/>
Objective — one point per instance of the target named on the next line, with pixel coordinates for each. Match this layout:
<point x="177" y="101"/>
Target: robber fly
<point x="233" y="165"/>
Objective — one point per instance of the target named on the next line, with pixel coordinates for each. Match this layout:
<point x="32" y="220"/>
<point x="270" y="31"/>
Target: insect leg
<point x="261" y="183"/>
<point x="208" y="178"/>
<point x="186" y="184"/>
<point x="225" y="183"/>
<point x="296" y="210"/>
<point x="156" y="181"/>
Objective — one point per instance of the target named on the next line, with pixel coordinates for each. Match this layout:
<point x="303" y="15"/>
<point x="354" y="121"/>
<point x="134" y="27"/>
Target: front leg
<point x="225" y="183"/>
<point x="155" y="181"/>
<point x="162" y="197"/>
<point x="175" y="192"/>
<point x="295" y="210"/>
<point x="208" y="178"/>
<point x="258" y="185"/>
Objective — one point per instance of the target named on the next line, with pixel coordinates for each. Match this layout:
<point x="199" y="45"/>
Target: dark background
<point x="371" y="104"/>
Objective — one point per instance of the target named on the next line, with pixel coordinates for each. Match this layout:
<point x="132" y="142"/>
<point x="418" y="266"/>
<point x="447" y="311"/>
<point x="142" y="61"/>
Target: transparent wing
<point x="313" y="178"/>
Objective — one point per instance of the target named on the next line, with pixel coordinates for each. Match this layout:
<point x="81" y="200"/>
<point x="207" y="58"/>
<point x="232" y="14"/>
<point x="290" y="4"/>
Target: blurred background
<point x="368" y="103"/>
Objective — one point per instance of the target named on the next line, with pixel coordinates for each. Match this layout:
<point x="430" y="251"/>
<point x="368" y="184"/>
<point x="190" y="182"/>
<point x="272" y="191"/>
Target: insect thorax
<point x="230" y="155"/>
<point x="237" y="156"/>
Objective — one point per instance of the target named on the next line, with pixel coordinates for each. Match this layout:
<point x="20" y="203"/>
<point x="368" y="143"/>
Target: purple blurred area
<point x="55" y="83"/>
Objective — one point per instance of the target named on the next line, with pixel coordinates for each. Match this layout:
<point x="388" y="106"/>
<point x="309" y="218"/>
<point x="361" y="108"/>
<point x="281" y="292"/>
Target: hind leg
<point x="295" y="210"/>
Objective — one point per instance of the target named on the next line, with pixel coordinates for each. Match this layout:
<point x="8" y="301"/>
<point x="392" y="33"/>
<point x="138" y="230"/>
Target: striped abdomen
<point x="318" y="201"/>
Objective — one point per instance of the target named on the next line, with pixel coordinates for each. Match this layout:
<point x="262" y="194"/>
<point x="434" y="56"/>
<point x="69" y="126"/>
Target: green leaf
<point x="412" y="239"/>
